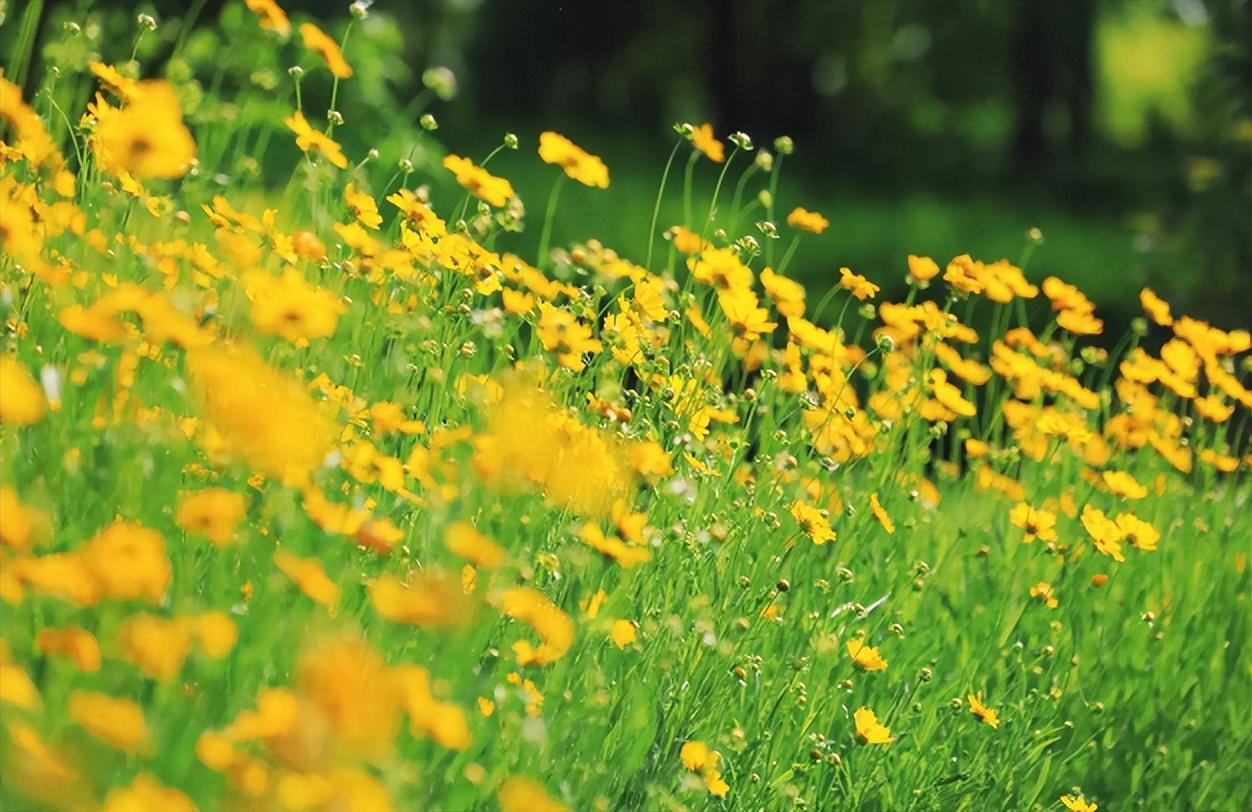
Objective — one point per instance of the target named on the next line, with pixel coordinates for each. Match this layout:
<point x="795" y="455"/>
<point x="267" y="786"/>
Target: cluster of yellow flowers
<point x="210" y="343"/>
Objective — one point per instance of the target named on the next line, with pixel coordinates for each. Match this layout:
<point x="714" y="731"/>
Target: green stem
<point x="656" y="207"/>
<point x="717" y="190"/>
<point x="547" y="221"/>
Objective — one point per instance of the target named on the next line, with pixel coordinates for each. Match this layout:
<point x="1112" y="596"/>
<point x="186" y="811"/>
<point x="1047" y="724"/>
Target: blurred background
<point x="1121" y="129"/>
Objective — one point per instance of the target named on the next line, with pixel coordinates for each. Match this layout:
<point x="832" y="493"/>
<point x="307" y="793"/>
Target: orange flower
<point x="316" y="40"/>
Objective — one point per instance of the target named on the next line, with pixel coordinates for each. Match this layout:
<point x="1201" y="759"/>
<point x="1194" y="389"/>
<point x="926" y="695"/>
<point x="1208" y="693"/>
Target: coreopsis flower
<point x="127" y="561"/>
<point x="430" y="599"/>
<point x="613" y="547"/>
<point x="464" y="540"/>
<point x="346" y="690"/>
<point x="478" y="181"/>
<point x="1034" y="522"/>
<point x="1045" y="594"/>
<point x="686" y="241"/>
<point x="748" y="320"/>
<point x="949" y="395"/>
<point x="310" y="140"/>
<point x="703" y="140"/>
<point x="316" y="40"/>
<point x="813" y="522"/>
<point x="880" y="513"/>
<point x="289" y="307"/>
<point x="866" y="658"/>
<point x="985" y="714"/>
<point x="270" y="16"/>
<point x="578" y="164"/>
<point x="787" y="294"/>
<point x="213" y="513"/>
<point x="443" y="722"/>
<point x="1104" y="532"/>
<point x="121" y="86"/>
<point x="77" y="645"/>
<point x="869" y="730"/>
<point x="115" y="721"/>
<point x="262" y="416"/>
<point x="16" y="687"/>
<point x="722" y="269"/>
<point x="965" y="274"/>
<point x="698" y="758"/>
<point x="33" y="141"/>
<point x="146" y="794"/>
<point x="922" y="269"/>
<point x="554" y="627"/>
<point x="308" y="575"/>
<point x="157" y="646"/>
<point x="1156" y="307"/>
<point x="624" y="633"/>
<point x="1080" y="322"/>
<point x="1078" y="803"/>
<point x="859" y="286"/>
<point x="518" y="794"/>
<point x="362" y="206"/>
<point x="563" y="334"/>
<point x="22" y="400"/>
<point x="1124" y="485"/>
<point x="1142" y="534"/>
<point x="806" y="220"/>
<point x="147" y="137"/>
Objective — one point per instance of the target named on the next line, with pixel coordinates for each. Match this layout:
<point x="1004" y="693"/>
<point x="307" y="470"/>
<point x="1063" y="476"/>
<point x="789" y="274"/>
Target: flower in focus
<point x="478" y="181"/>
<point x="1078" y="803"/>
<point x="578" y="164"/>
<point x="985" y="714"/>
<point x="813" y="522"/>
<point x="869" y="730"/>
<point x="866" y="658"/>
<point x="310" y="140"/>
<point x="806" y="220"/>
<point x="1036" y="523"/>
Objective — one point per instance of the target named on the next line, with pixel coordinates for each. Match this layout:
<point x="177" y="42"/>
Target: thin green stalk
<point x="548" y="217"/>
<point x="656" y="207"/>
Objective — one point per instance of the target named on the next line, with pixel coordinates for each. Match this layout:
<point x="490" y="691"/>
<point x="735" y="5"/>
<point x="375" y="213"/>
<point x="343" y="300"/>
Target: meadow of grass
<point x="319" y="495"/>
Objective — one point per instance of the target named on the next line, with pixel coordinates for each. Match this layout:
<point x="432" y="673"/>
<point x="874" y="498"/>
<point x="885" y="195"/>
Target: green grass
<point x="1132" y="691"/>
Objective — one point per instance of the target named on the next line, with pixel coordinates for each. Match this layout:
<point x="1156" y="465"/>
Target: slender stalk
<point x="547" y="220"/>
<point x="656" y="207"/>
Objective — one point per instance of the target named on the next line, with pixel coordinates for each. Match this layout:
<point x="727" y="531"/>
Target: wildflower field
<point x="317" y="492"/>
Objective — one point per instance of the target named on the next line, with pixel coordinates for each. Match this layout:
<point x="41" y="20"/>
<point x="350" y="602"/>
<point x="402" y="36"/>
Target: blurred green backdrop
<point x="1122" y="129"/>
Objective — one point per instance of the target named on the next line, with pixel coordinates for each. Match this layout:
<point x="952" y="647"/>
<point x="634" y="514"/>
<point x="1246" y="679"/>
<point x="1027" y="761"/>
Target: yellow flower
<point x="880" y="513"/>
<point x="147" y="137"/>
<point x="578" y="164"/>
<point x="16" y="687"/>
<point x="624" y="633"/>
<point x="922" y="269"/>
<point x="21" y="398"/>
<point x="613" y="547"/>
<point x="988" y="716"/>
<point x="697" y="757"/>
<point x="310" y="140"/>
<point x="262" y="416"/>
<point x="145" y="794"/>
<point x="1124" y="485"/>
<point x="806" y="220"/>
<point x="127" y="561"/>
<point x="270" y="16"/>
<point x="291" y="308"/>
<point x="1156" y="307"/>
<point x="519" y="794"/>
<point x="1078" y="804"/>
<point x="117" y="722"/>
<point x="1142" y="534"/>
<point x="213" y="513"/>
<point x="430" y="599"/>
<point x="445" y="723"/>
<point x="362" y="206"/>
<point x="308" y="575"/>
<point x="1045" y="594"/>
<point x="813" y="522"/>
<point x="554" y="627"/>
<point x="866" y="658"/>
<point x="316" y="40"/>
<point x="694" y="755"/>
<point x="703" y="140"/>
<point x="1037" y="524"/>
<point x="478" y="181"/>
<point x="464" y="540"/>
<point x="77" y="645"/>
<point x="562" y="333"/>
<point x="157" y="646"/>
<point x="1105" y="532"/>
<point x="949" y="395"/>
<point x="860" y="287"/>
<point x="869" y="730"/>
